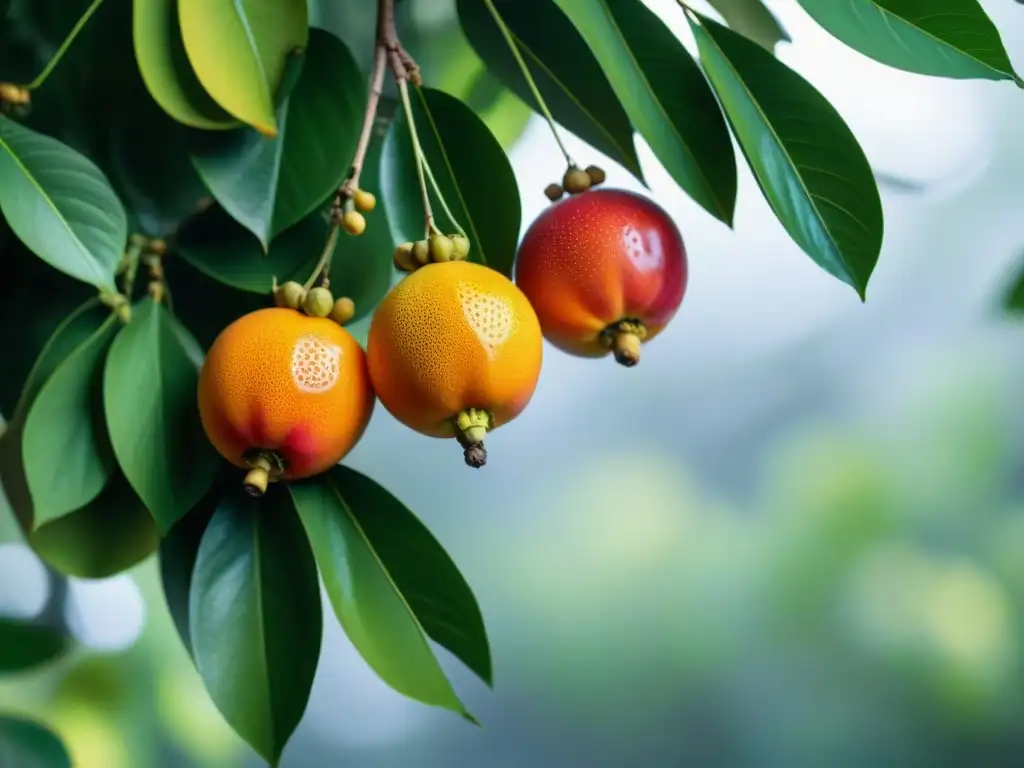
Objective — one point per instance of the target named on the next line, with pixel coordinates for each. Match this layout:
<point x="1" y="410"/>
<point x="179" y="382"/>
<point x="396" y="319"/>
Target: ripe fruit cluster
<point x="437" y="249"/>
<point x="356" y="204"/>
<point x="315" y="302"/>
<point x="575" y="182"/>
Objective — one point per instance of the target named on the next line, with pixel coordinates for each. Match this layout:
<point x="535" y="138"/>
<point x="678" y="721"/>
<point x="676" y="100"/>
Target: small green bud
<point x="319" y="302"/>
<point x="460" y="246"/>
<point x="290" y="295"/>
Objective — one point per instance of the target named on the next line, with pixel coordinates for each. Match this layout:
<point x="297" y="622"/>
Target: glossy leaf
<point x="149" y="397"/>
<point x="665" y="95"/>
<point x="26" y="644"/>
<point x="165" y="67"/>
<point x="568" y="76"/>
<point x="238" y="48"/>
<point x="805" y="158"/>
<point x="946" y="38"/>
<point x="26" y="744"/>
<point x="65" y="448"/>
<point x="471" y="169"/>
<point x="255" y="617"/>
<point x="1013" y="296"/>
<point x="268" y="184"/>
<point x="60" y="205"/>
<point x="752" y="20"/>
<point x="391" y="584"/>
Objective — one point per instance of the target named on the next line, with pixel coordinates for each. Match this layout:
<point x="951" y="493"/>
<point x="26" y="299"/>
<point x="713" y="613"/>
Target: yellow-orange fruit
<point x="281" y="381"/>
<point x="451" y="337"/>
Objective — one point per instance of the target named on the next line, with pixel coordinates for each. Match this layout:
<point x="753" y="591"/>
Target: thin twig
<point x="403" y="90"/>
<point x="55" y="59"/>
<point x="440" y="197"/>
<point x="380" y="59"/>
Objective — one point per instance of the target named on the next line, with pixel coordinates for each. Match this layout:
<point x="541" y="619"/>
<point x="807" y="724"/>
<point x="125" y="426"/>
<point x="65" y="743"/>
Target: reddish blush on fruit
<point x="605" y="270"/>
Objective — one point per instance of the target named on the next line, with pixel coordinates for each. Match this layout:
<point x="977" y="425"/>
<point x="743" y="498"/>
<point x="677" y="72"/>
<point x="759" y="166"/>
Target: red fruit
<point x="605" y="270"/>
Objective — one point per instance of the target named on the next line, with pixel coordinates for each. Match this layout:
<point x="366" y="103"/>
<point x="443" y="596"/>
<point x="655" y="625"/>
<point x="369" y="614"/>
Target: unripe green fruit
<point x="364" y="201"/>
<point x="554" y="192"/>
<point x="290" y="295"/>
<point x="460" y="246"/>
<point x="319" y="302"/>
<point x="403" y="258"/>
<point x="353" y="222"/>
<point x="343" y="311"/>
<point x="441" y="248"/>
<point x="421" y="252"/>
<point x="576" y="181"/>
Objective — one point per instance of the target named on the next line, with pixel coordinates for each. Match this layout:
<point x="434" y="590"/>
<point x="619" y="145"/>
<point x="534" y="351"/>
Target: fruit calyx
<point x="625" y="338"/>
<point x="471" y="425"/>
<point x="265" y="467"/>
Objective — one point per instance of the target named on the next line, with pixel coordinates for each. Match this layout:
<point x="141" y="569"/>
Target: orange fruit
<point x="605" y="270"/>
<point x="454" y="350"/>
<point x="284" y="393"/>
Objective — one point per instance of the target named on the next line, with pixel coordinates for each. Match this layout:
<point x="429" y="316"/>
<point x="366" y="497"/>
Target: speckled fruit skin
<point x="599" y="257"/>
<point x="293" y="384"/>
<point x="454" y="336"/>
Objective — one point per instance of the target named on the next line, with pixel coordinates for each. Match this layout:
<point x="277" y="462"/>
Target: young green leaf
<point x="568" y="76"/>
<point x="752" y="20"/>
<point x="149" y="397"/>
<point x="255" y="617"/>
<point x="391" y="584"/>
<point x="471" y="169"/>
<point x="27" y="744"/>
<point x="60" y="205"/>
<point x="806" y="160"/>
<point x="665" y="95"/>
<point x="945" y="38"/>
<point x="165" y="68"/>
<point x="26" y="645"/>
<point x="67" y="454"/>
<point x="108" y="535"/>
<point x="238" y="51"/>
<point x="268" y="184"/>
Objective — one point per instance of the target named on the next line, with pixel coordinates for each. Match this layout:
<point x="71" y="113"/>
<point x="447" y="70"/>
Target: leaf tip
<point x="466" y="715"/>
<point x="266" y="129"/>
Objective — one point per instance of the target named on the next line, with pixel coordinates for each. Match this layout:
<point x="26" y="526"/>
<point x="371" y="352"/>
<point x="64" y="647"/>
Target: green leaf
<point x="268" y="184"/>
<point x="391" y="584"/>
<point x="1013" y="295"/>
<point x="752" y="20"/>
<point x="238" y="49"/>
<point x="60" y="205"/>
<point x="149" y="397"/>
<point x="65" y="448"/>
<point x="26" y="744"/>
<point x="471" y="168"/>
<point x="945" y="38"/>
<point x="255" y="617"/>
<point x="25" y="645"/>
<point x="568" y="76"/>
<point x="165" y="68"/>
<point x="665" y="95"/>
<point x="805" y="159"/>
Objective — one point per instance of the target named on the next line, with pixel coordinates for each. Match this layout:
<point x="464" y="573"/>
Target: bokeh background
<point x="794" y="536"/>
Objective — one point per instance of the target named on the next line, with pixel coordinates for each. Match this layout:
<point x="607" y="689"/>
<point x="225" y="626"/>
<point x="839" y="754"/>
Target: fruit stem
<point x="256" y="481"/>
<point x="323" y="265"/>
<point x="471" y="425"/>
<point x="514" y="47"/>
<point x="420" y="160"/>
<point x="625" y="339"/>
<point x="440" y="197"/>
<point x="55" y="59"/>
<point x="380" y="58"/>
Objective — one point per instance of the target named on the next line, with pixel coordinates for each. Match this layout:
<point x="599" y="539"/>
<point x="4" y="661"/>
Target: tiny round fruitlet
<point x="460" y="246"/>
<point x="605" y="271"/>
<point x="554" y="192"/>
<point x="290" y="295"/>
<point x="454" y="350"/>
<point x="284" y="394"/>
<point x="441" y="248"/>
<point x="421" y="252"/>
<point x="403" y="258"/>
<point x="319" y="302"/>
<point x="576" y="181"/>
<point x="353" y="222"/>
<point x="596" y="174"/>
<point x="343" y="311"/>
<point x="364" y="201"/>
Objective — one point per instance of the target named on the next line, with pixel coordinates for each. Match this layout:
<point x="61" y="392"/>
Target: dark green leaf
<point x="65" y="448"/>
<point x="255" y="617"/>
<point x="268" y="185"/>
<point x="26" y="644"/>
<point x="25" y="744"/>
<point x="571" y="81"/>
<point x="665" y="96"/>
<point x="149" y="396"/>
<point x="945" y="38"/>
<point x="238" y="51"/>
<point x="1013" y="298"/>
<point x="805" y="158"/>
<point x="471" y="169"/>
<point x="391" y="583"/>
<point x="60" y="205"/>
<point x="166" y="70"/>
<point x="753" y="20"/>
